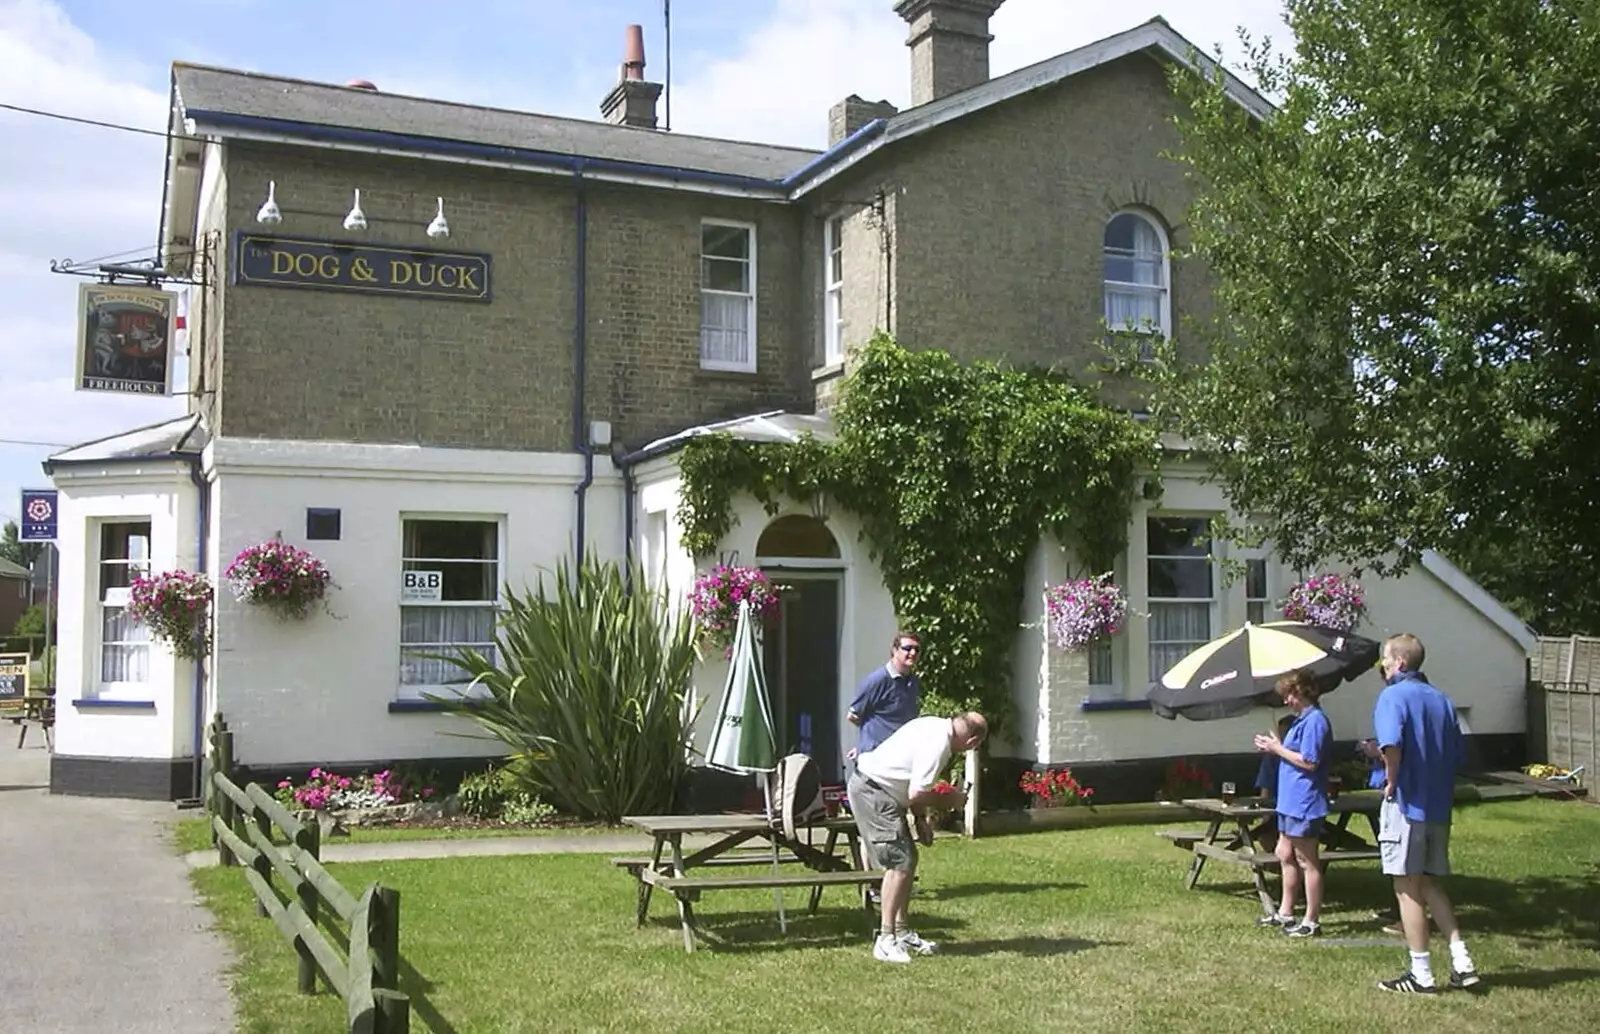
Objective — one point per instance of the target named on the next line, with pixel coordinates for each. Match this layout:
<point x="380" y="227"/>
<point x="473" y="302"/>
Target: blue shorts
<point x="1297" y="827"/>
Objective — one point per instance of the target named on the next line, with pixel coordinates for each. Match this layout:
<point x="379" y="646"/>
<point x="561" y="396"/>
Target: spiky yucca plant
<point x="591" y="691"/>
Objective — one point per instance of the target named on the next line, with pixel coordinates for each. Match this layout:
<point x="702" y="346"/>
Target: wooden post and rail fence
<point x="251" y="829"/>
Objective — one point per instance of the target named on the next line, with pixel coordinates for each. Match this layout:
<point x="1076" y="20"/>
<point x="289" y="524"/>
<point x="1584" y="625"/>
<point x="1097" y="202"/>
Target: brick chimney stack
<point x="949" y="41"/>
<point x="852" y="113"/>
<point x="632" y="102"/>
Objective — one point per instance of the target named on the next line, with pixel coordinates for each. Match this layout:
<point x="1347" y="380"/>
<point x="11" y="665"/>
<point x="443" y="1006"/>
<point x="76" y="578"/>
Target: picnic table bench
<point x="1236" y="827"/>
<point x="34" y="709"/>
<point x="670" y="869"/>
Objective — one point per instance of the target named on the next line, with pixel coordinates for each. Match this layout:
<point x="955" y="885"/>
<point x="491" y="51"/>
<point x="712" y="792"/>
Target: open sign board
<point x="13" y="675"/>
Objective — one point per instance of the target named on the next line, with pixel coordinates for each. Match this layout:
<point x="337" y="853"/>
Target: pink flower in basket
<point x="1330" y="600"/>
<point x="1083" y="612"/>
<point x="715" y="597"/>
<point x="280" y="577"/>
<point x="174" y="605"/>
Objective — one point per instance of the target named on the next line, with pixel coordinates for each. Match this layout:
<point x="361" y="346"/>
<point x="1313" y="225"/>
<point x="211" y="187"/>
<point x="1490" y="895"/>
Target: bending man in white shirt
<point x="897" y="777"/>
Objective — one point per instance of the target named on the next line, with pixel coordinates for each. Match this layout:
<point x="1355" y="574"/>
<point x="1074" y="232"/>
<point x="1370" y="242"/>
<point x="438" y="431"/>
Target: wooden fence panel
<point x="252" y="829"/>
<point x="1568" y="733"/>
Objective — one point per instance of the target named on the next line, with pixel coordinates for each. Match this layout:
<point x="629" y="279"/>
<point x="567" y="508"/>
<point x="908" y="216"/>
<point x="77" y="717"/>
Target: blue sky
<point x="746" y="69"/>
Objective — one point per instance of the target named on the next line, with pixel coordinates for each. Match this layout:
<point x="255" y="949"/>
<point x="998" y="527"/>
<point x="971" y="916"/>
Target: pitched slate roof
<point x="204" y="91"/>
<point x="8" y="569"/>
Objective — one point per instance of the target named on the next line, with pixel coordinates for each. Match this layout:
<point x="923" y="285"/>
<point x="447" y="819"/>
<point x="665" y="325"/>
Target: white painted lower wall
<point x="95" y="719"/>
<point x="319" y="690"/>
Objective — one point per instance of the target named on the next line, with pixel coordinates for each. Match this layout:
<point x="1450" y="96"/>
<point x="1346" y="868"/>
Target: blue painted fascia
<point x="461" y="149"/>
<point x="314" y="132"/>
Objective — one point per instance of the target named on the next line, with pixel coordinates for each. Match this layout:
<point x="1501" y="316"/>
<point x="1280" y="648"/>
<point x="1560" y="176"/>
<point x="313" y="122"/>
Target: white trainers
<point x="887" y="949"/>
<point x="911" y="942"/>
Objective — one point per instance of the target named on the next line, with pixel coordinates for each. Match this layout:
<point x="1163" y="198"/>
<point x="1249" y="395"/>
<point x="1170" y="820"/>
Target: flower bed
<point x="175" y="606"/>
<point x="280" y="577"/>
<point x="1055" y="788"/>
<point x="715" y="597"/>
<point x="1330" y="600"/>
<point x="1085" y="611"/>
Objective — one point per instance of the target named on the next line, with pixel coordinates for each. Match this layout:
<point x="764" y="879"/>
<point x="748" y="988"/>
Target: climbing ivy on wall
<point x="954" y="471"/>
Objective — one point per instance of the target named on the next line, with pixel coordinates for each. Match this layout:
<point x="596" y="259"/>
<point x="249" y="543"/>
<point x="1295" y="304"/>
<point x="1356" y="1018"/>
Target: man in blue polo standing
<point x="1420" y="738"/>
<point x="888" y="697"/>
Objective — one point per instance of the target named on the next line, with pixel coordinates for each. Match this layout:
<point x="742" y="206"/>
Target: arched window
<point x="797" y="536"/>
<point x="1137" y="275"/>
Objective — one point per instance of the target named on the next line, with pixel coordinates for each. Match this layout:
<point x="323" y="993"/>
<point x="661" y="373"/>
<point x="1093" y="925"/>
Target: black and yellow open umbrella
<point x="1230" y="675"/>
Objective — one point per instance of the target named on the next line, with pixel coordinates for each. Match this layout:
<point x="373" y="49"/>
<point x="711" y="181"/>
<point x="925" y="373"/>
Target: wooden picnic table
<point x="677" y="872"/>
<point x="33" y="709"/>
<point x="1235" y="835"/>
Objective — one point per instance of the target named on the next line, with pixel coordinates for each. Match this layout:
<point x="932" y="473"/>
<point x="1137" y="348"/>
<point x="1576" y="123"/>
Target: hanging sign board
<point x="125" y="339"/>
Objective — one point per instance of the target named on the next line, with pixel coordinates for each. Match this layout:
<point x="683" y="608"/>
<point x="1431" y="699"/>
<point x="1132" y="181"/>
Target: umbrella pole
<point x="777" y="892"/>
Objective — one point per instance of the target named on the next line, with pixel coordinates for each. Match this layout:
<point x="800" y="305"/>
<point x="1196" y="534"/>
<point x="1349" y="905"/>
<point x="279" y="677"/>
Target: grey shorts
<point x="881" y="819"/>
<point x="1412" y="848"/>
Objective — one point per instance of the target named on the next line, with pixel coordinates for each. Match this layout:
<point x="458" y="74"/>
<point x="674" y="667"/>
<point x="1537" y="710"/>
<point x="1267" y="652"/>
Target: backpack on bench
<point x="795" y="790"/>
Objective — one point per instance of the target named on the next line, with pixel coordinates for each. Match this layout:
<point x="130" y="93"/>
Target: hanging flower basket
<point x="174" y="606"/>
<point x="1331" y="600"/>
<point x="280" y="577"/>
<point x="1083" y="612"/>
<point x="714" y="600"/>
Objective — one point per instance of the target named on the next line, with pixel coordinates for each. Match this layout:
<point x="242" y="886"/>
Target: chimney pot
<point x="633" y="52"/>
<point x="949" y="41"/>
<point x="632" y="102"/>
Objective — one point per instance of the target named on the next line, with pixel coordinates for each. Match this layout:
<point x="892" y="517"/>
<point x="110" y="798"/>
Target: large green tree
<point x="15" y="550"/>
<point x="1404" y="349"/>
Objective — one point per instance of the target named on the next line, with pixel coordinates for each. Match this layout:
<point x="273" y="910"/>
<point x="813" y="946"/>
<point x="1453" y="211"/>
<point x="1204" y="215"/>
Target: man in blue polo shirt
<point x="1420" y="738"/>
<point x="888" y="697"/>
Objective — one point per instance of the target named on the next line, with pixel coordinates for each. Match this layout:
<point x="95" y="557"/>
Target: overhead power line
<point x="163" y="134"/>
<point x="24" y="441"/>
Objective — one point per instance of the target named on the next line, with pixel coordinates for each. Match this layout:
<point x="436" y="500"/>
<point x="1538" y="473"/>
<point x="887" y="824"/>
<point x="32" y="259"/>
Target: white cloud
<point x="777" y="83"/>
<point x="66" y="191"/>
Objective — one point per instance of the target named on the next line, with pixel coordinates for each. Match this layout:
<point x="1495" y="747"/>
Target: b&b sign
<point x="13" y="676"/>
<point x="421" y="586"/>
<point x="460" y="276"/>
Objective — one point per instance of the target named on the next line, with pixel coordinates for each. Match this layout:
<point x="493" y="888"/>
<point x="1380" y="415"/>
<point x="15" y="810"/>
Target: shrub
<point x="526" y="810"/>
<point x="327" y="789"/>
<point x="589" y="690"/>
<point x="483" y="795"/>
<point x="1055" y="788"/>
<point x="1185" y="778"/>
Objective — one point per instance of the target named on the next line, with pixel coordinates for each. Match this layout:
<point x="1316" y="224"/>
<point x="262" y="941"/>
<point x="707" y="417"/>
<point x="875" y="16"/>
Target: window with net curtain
<point x="124" y="643"/>
<point x="466" y="554"/>
<point x="1136" y="275"/>
<point x="727" y="296"/>
<point x="1181" y="583"/>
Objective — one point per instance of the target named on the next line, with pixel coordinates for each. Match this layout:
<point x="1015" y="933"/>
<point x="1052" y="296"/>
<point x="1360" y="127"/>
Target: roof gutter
<point x="374" y="141"/>
<point x="837" y="153"/>
<point x="52" y="465"/>
<point x="410" y="146"/>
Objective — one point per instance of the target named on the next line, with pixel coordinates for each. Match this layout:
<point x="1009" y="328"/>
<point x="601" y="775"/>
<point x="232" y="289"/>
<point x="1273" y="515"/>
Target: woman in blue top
<point x="1302" y="795"/>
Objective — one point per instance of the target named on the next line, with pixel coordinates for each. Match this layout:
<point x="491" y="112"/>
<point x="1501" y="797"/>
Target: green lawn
<point x="1083" y="930"/>
<point x="194" y="834"/>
